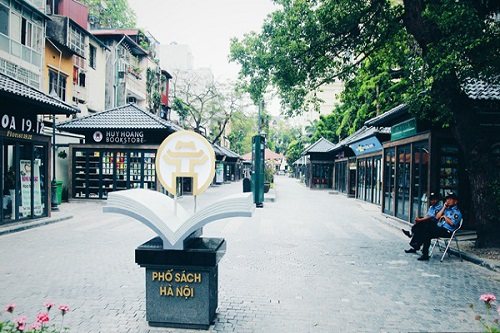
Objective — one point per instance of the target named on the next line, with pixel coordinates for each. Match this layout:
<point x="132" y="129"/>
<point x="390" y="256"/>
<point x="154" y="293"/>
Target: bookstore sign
<point x="119" y="137"/>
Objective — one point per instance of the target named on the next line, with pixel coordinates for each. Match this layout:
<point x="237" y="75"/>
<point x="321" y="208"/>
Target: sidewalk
<point x="467" y="249"/>
<point x="57" y="216"/>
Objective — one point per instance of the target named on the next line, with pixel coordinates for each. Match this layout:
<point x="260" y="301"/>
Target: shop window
<point x="57" y="83"/>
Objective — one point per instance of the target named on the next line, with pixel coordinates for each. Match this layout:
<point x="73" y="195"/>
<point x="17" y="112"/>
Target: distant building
<point x="176" y="57"/>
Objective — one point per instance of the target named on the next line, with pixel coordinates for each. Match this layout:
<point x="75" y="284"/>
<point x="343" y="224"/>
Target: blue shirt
<point x="455" y="215"/>
<point x="434" y="209"/>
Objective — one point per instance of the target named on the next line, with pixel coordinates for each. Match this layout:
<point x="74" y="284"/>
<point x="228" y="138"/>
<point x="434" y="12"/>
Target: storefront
<point x="24" y="160"/>
<point x="119" y="152"/>
<point x="368" y="150"/>
<point x="417" y="160"/>
<point x="232" y="169"/>
<point x="319" y="165"/>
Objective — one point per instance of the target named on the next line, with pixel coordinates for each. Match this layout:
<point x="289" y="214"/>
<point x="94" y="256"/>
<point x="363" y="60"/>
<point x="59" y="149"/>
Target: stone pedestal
<point x="181" y="285"/>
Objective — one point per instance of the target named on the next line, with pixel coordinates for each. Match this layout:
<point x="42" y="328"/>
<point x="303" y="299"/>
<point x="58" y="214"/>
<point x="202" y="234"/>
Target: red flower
<point x="42" y="317"/>
<point x="20" y="323"/>
<point x="64" y="308"/>
<point x="10" y="307"/>
<point x="48" y="305"/>
<point x="488" y="298"/>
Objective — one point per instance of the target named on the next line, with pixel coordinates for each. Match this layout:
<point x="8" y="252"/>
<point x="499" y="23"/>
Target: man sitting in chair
<point x="430" y="217"/>
<point x="449" y="217"/>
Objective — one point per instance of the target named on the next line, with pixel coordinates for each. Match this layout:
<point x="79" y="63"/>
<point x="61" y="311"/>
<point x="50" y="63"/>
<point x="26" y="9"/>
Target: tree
<point x="196" y="99"/>
<point x="115" y="14"/>
<point x="243" y="128"/>
<point x="312" y="42"/>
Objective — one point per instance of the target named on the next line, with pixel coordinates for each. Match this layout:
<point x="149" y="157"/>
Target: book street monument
<point x="181" y="266"/>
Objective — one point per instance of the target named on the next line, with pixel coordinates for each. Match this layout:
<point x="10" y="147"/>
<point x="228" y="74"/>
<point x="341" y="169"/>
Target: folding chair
<point x="447" y="242"/>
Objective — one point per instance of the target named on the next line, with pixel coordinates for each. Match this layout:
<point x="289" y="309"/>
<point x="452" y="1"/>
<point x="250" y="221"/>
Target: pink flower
<point x="42" y="317"/>
<point x="36" y="326"/>
<point x="488" y="298"/>
<point x="20" y="323"/>
<point x="64" y="308"/>
<point x="48" y="305"/>
<point x="10" y="307"/>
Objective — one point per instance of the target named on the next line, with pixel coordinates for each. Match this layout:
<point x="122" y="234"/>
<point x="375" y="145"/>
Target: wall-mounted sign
<point x="18" y="123"/>
<point x="403" y="130"/>
<point x="118" y="137"/>
<point x="185" y="154"/>
<point x="366" y="146"/>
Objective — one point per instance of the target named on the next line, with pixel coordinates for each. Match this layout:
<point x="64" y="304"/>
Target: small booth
<point x="119" y="151"/>
<point x="319" y="165"/>
<point x="367" y="147"/>
<point x="232" y="164"/>
<point x="344" y="169"/>
<point x="24" y="160"/>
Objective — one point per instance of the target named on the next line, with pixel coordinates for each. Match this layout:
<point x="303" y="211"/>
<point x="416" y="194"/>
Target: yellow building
<point x="58" y="71"/>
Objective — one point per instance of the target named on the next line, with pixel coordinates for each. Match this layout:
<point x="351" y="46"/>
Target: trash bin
<point x="59" y="188"/>
<point x="247" y="185"/>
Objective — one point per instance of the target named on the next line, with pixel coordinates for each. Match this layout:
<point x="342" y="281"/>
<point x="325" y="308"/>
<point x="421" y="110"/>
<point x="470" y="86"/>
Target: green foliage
<point x="114" y="14"/>
<point x="153" y="95"/>
<point x="269" y="173"/>
<point x="294" y="150"/>
<point x="243" y="128"/>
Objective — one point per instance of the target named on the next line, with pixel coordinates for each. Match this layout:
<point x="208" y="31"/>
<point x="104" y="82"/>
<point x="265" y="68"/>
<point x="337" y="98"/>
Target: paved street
<point x="309" y="262"/>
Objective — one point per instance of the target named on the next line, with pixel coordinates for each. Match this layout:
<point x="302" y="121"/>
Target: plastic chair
<point x="447" y="242"/>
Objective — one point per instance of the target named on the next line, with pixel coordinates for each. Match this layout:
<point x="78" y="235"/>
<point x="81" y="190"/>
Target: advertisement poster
<point x="219" y="173"/>
<point x="25" y="208"/>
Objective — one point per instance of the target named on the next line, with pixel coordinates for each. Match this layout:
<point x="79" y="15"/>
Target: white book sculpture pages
<point x="156" y="210"/>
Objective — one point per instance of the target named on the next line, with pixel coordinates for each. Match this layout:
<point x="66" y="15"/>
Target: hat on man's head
<point x="451" y="195"/>
<point x="434" y="196"/>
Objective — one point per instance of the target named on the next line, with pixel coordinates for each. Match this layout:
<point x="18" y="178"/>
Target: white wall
<point x="96" y="80"/>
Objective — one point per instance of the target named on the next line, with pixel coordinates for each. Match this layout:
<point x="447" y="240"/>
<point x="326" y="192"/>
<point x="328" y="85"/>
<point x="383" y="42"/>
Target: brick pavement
<point x="309" y="262"/>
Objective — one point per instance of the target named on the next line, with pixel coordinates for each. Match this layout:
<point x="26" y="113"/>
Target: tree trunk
<point x="480" y="167"/>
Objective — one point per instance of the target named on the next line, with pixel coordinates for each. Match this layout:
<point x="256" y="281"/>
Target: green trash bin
<point x="59" y="188"/>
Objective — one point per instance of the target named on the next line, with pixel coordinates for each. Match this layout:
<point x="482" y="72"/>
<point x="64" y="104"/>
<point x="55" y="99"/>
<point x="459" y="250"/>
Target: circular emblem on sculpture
<point x="185" y="154"/>
<point x="97" y="136"/>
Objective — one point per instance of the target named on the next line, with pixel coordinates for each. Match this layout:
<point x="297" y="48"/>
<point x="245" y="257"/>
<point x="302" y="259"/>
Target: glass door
<point x="419" y="181"/>
<point x="121" y="174"/>
<point x="136" y="170"/>
<point x="389" y="171"/>
<point x="403" y="182"/>
<point x="94" y="174"/>
<point x="150" y="170"/>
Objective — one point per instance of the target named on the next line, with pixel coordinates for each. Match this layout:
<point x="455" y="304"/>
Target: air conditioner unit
<point x="132" y="99"/>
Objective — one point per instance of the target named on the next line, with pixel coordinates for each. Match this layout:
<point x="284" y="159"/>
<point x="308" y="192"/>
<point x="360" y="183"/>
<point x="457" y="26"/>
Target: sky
<point x="207" y="26"/>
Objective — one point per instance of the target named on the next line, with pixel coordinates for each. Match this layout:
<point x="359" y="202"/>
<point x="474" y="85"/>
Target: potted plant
<point x="268" y="177"/>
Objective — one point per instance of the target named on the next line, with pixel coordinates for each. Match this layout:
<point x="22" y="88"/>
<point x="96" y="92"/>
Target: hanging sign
<point x="185" y="154"/>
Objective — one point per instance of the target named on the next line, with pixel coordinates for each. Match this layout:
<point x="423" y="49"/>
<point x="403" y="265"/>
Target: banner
<point x="25" y="207"/>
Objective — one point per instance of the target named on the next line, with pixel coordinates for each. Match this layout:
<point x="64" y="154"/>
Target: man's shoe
<point x="423" y="258"/>
<point x="412" y="250"/>
<point x="406" y="232"/>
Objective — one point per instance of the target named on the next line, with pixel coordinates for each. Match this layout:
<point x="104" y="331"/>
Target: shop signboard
<point x="21" y="123"/>
<point x="403" y="130"/>
<point x="119" y="137"/>
<point x="25" y="208"/>
<point x="366" y="146"/>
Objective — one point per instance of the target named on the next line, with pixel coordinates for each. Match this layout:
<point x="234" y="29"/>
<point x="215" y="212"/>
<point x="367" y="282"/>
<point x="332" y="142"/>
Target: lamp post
<point x="53" y="185"/>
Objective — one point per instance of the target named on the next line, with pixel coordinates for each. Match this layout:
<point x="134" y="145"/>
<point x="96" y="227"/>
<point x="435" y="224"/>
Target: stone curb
<point x="466" y="256"/>
<point x="33" y="224"/>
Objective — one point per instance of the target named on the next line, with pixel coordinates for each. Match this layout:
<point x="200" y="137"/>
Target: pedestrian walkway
<point x="308" y="262"/>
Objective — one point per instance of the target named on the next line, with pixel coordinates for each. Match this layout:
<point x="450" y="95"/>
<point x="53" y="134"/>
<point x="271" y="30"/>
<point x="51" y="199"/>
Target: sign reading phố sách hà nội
<point x="173" y="283"/>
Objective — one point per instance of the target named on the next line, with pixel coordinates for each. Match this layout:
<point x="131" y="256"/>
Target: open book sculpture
<point x="173" y="224"/>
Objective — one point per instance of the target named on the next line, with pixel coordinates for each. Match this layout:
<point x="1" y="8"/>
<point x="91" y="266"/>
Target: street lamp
<point x="53" y="186"/>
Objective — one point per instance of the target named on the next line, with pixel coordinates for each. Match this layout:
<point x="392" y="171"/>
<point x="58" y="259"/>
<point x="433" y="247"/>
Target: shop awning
<point x="128" y="116"/>
<point x="18" y="96"/>
<point x="390" y="117"/>
<point x="226" y="152"/>
<point x="320" y="146"/>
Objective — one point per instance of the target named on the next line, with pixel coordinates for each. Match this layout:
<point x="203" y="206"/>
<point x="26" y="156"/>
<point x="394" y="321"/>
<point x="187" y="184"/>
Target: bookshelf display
<point x="97" y="172"/>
